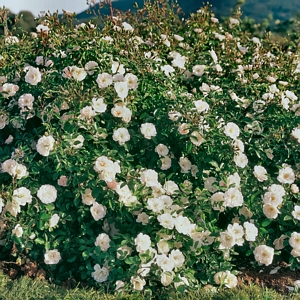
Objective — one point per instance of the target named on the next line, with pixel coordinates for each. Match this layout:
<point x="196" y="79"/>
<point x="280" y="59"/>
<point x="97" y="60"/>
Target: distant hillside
<point x="256" y="9"/>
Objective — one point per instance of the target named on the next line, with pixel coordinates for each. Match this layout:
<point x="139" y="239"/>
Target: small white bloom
<point x="232" y="130"/>
<point x="54" y="220"/>
<point x="52" y="257"/>
<point x="148" y="130"/>
<point x="264" y="254"/>
<point x="142" y="242"/>
<point x="47" y="193"/>
<point x="121" y="135"/>
<point x="18" y="231"/>
<point x="286" y="175"/>
<point x="260" y="173"/>
<point x="33" y="75"/>
<point x="270" y="211"/>
<point x="98" y="211"/>
<point x="103" y="241"/>
<point x="100" y="274"/>
<point x="45" y="144"/>
<point x="201" y="106"/>
<point x="98" y="105"/>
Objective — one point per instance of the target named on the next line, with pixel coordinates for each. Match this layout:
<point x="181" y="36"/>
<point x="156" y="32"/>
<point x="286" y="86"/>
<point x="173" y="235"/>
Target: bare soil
<point x="281" y="281"/>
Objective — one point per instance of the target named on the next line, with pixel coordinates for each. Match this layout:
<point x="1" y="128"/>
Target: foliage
<point x="152" y="154"/>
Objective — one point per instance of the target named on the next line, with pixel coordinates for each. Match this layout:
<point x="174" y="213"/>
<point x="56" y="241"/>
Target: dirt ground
<point x="280" y="281"/>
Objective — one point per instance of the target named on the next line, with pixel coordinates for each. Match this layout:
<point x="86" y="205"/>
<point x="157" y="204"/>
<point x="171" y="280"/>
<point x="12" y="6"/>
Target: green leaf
<point x="266" y="222"/>
<point x="39" y="241"/>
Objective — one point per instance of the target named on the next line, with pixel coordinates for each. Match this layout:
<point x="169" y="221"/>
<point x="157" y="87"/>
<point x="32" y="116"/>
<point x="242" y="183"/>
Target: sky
<point x="36" y="6"/>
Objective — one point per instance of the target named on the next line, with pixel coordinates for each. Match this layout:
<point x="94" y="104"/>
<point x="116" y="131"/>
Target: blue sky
<point x="35" y="6"/>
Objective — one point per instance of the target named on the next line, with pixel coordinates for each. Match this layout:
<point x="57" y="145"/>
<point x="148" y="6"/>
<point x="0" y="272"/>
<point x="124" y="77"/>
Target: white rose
<point x="165" y="262"/>
<point x="142" y="242"/>
<point x="177" y="257"/>
<point x="166" y="220"/>
<point x="87" y="197"/>
<point x="185" y="164"/>
<point x="77" y="142"/>
<point x="170" y="187"/>
<point x="138" y="283"/>
<point x="131" y="80"/>
<point x="52" y="257"/>
<point x="143" y="218"/>
<point x="163" y="247"/>
<point x="232" y="130"/>
<point x="98" y="105"/>
<point x="18" y="171"/>
<point x="121" y="135"/>
<point x="201" y="106"/>
<point x="251" y="231"/>
<point x="260" y="173"/>
<point x="286" y="175"/>
<point x="264" y="254"/>
<point x="270" y="211"/>
<point x="87" y="112"/>
<point x="166" y="163"/>
<point x="127" y="27"/>
<point x="26" y="100"/>
<point x="294" y="189"/>
<point x="45" y="144"/>
<point x="98" y="211"/>
<point x="162" y="150"/>
<point x="90" y="67"/>
<point x="233" y="197"/>
<point x="78" y="74"/>
<point x="148" y="130"/>
<point x="53" y="220"/>
<point x="104" y="80"/>
<point x="150" y="178"/>
<point x="18" y="231"/>
<point x="294" y="241"/>
<point x="196" y="138"/>
<point x="198" y="70"/>
<point x="103" y="241"/>
<point x="33" y="75"/>
<point x="167" y="278"/>
<point x="22" y="195"/>
<point x="240" y="159"/>
<point x="183" y="225"/>
<point x="47" y="193"/>
<point x="100" y="274"/>
<point x="121" y="89"/>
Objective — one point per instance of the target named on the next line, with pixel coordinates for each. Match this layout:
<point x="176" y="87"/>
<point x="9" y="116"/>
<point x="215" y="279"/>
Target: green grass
<point x="28" y="289"/>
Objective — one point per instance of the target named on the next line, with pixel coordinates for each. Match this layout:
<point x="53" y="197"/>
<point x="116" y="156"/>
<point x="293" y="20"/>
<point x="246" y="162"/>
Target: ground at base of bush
<point x="279" y="277"/>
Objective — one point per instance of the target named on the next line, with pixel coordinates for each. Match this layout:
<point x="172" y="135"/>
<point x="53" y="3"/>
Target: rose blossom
<point x="121" y="135"/>
<point x="62" y="180"/>
<point x="100" y="274"/>
<point x="45" y="144"/>
<point x="47" y="193"/>
<point x="232" y="130"/>
<point x="53" y="220"/>
<point x="148" y="130"/>
<point x="78" y="74"/>
<point x="18" y="231"/>
<point x="103" y="241"/>
<point x="52" y="257"/>
<point x="98" y="211"/>
<point x="260" y="173"/>
<point x="270" y="211"/>
<point x="264" y="254"/>
<point x="138" y="283"/>
<point x="286" y="175"/>
<point x="33" y="75"/>
<point x="142" y="242"/>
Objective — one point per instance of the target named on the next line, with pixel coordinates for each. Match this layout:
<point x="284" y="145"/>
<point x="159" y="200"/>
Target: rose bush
<point x="156" y="152"/>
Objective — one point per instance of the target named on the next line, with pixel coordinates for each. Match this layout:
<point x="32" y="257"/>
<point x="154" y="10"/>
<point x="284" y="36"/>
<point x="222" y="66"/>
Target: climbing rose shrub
<point x="149" y="155"/>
